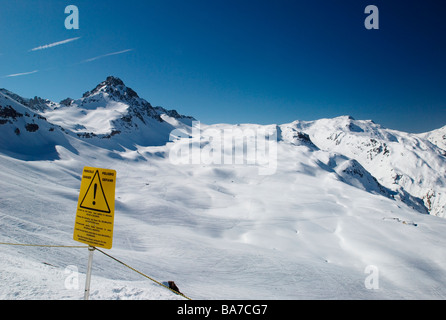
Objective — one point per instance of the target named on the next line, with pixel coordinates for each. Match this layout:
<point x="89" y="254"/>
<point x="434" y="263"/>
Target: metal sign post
<point x="95" y="213"/>
<point x="88" y="279"/>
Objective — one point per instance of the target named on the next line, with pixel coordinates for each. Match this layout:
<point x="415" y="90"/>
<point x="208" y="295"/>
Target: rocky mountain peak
<point x="113" y="81"/>
<point x="115" y="88"/>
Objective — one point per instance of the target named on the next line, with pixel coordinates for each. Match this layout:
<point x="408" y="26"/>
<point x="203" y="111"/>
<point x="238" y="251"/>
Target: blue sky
<point x="238" y="61"/>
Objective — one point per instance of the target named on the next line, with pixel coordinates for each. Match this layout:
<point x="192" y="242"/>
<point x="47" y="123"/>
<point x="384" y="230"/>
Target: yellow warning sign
<point x="96" y="207"/>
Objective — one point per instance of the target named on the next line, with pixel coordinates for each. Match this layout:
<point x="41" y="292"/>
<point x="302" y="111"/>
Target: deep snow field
<point x="220" y="231"/>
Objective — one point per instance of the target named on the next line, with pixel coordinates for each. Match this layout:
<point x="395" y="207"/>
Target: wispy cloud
<point x="20" y="74"/>
<point x="107" y="55"/>
<point x="54" y="44"/>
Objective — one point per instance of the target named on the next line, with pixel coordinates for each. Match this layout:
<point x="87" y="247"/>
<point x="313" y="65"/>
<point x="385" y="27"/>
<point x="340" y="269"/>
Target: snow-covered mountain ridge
<point x="408" y="164"/>
<point x="437" y="137"/>
<point x="108" y="110"/>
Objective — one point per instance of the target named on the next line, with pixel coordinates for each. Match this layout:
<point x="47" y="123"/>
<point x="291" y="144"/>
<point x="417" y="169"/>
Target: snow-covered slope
<point x="406" y="163"/>
<point x="26" y="134"/>
<point x="437" y="137"/>
<point x="325" y="222"/>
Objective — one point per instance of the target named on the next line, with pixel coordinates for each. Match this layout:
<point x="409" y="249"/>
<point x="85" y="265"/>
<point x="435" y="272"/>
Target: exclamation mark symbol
<point x="94" y="194"/>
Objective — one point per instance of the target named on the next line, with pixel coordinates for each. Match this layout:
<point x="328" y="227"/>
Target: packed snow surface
<point x="219" y="232"/>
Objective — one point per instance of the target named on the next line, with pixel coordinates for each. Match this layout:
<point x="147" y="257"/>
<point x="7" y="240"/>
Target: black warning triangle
<point x="95" y="199"/>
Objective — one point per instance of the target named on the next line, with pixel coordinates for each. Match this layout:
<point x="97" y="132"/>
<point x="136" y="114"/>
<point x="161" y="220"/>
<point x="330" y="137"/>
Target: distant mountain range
<point x="408" y="167"/>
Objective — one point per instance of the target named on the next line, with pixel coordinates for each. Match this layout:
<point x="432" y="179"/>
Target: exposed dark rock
<point x="31" y="127"/>
<point x="9" y="112"/>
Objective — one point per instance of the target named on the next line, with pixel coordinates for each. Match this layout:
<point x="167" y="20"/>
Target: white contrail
<point x="106" y="55"/>
<point x="54" y="44"/>
<point x="20" y="74"/>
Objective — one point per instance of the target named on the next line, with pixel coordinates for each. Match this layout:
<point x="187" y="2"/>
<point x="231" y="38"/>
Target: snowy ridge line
<point x="106" y="254"/>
